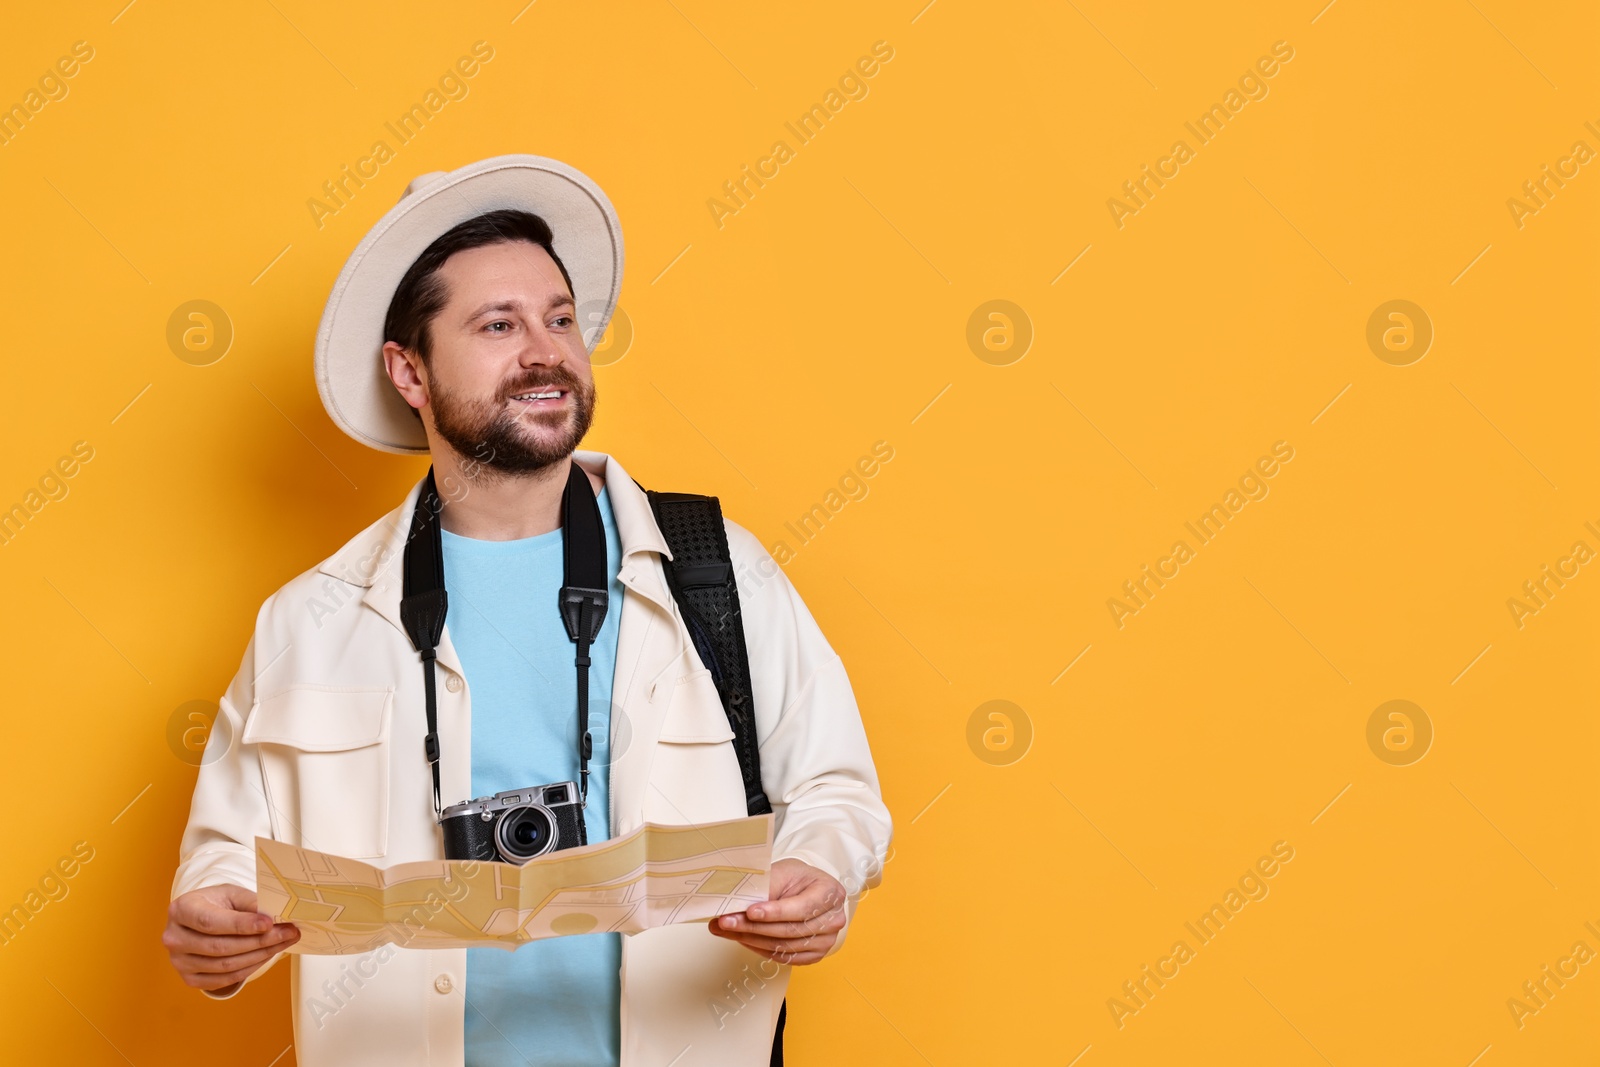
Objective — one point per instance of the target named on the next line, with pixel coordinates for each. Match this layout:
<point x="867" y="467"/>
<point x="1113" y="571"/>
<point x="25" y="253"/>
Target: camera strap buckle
<point x="583" y="610"/>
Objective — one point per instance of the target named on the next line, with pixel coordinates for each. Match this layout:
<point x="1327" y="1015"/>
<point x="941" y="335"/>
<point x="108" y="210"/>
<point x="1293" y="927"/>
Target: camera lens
<point x="523" y="833"/>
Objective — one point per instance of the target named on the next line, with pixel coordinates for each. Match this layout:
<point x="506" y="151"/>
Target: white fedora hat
<point x="585" y="231"/>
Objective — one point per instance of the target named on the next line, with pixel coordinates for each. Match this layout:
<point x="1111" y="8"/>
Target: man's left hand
<point x="798" y="923"/>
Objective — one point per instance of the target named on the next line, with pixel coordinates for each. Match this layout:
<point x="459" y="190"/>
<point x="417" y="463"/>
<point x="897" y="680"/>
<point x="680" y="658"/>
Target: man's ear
<point x="406" y="372"/>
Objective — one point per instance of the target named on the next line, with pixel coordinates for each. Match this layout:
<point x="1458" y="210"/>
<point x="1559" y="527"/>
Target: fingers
<point x="809" y="948"/>
<point x="210" y="912"/>
<point x="829" y="922"/>
<point x="794" y="951"/>
<point x="815" y="898"/>
<point x="216" y="981"/>
<point x="818" y="942"/>
<point x="217" y="939"/>
<point x="236" y="897"/>
<point x="792" y="959"/>
<point x="801" y="925"/>
<point x="190" y="963"/>
<point x="180" y="939"/>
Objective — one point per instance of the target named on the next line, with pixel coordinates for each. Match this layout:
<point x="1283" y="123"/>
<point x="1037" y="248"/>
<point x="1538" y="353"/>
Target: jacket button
<point x="453" y="683"/>
<point x="443" y="983"/>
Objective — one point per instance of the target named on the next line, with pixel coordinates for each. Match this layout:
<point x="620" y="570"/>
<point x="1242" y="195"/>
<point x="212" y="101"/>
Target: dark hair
<point x="421" y="293"/>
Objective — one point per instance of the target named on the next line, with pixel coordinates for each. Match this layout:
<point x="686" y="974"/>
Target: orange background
<point x="771" y="352"/>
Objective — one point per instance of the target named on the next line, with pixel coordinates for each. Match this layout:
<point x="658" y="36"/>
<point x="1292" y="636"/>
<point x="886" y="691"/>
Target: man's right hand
<point x="217" y="939"/>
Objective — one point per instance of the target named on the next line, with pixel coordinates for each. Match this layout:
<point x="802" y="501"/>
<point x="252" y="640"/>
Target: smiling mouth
<point x="540" y="394"/>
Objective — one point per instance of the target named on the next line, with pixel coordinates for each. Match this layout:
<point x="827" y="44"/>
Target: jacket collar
<point x="372" y="559"/>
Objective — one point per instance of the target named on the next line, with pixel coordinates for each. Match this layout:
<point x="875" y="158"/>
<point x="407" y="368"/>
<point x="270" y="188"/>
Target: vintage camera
<point x="516" y="825"/>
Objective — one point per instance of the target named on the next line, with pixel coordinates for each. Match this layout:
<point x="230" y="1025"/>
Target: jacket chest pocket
<point x="325" y="765"/>
<point x="694" y="776"/>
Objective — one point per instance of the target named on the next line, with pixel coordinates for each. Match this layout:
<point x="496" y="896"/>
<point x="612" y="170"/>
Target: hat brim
<point x="587" y="236"/>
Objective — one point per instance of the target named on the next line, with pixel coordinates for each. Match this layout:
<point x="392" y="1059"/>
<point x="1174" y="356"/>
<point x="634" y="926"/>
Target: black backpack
<point x="700" y="576"/>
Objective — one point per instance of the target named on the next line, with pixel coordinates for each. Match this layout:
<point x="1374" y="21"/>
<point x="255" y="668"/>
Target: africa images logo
<point x="1252" y="485"/>
<point x="1252" y="85"/>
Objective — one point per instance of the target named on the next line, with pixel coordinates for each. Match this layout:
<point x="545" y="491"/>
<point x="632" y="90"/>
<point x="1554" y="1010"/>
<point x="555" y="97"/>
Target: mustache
<point x="555" y="378"/>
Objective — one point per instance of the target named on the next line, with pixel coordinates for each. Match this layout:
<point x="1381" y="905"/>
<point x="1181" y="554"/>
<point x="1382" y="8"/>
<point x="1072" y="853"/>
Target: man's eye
<point x="498" y="322"/>
<point x="567" y="319"/>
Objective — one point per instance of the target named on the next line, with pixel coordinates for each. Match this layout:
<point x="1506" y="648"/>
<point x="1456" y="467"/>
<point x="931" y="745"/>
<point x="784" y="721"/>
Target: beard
<point x="494" y="440"/>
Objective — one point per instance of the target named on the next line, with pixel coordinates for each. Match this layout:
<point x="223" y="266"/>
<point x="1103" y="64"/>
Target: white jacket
<point x="324" y="725"/>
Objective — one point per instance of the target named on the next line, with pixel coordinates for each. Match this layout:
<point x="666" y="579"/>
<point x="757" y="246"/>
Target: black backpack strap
<point x="700" y="575"/>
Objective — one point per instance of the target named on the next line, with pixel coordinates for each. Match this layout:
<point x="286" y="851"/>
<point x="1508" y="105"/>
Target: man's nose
<point x="540" y="347"/>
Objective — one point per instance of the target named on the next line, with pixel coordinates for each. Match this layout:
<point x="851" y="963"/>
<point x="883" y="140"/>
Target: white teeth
<point x="538" y="396"/>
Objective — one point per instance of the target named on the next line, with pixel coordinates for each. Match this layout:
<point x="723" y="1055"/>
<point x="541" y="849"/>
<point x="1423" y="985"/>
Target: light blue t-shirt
<point x="552" y="1002"/>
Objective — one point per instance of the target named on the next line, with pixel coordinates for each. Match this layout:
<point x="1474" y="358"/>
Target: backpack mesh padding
<point x="700" y="575"/>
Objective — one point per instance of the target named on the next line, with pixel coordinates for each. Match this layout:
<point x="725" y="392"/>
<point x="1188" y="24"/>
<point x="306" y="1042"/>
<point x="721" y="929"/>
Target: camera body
<point x="516" y="825"/>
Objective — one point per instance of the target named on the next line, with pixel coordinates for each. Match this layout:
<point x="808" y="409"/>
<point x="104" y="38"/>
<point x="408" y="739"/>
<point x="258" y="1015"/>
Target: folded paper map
<point x="654" y="876"/>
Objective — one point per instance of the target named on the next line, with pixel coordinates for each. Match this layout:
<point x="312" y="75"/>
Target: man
<point x="454" y="330"/>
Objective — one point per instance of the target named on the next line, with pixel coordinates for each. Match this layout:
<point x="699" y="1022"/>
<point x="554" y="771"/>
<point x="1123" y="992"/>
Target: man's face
<point x="509" y="382"/>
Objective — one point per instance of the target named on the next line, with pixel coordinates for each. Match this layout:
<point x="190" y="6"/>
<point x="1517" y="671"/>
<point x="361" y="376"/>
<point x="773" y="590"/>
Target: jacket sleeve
<point x="229" y="806"/>
<point x="816" y="765"/>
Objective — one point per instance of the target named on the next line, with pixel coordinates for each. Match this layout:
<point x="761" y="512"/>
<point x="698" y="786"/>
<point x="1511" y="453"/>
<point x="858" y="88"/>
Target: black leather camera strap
<point x="583" y="600"/>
